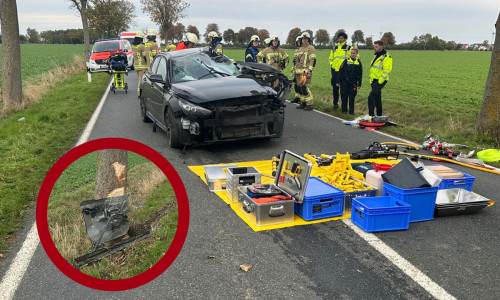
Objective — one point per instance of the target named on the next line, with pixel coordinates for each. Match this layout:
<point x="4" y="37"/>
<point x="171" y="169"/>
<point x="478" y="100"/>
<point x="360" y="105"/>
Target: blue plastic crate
<point x="463" y="183"/>
<point x="321" y="200"/>
<point x="351" y="195"/>
<point x="422" y="200"/>
<point x="380" y="213"/>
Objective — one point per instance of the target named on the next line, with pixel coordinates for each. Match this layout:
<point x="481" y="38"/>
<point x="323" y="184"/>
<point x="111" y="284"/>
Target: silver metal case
<point x="216" y="177"/>
<point x="240" y="176"/>
<point x="291" y="177"/>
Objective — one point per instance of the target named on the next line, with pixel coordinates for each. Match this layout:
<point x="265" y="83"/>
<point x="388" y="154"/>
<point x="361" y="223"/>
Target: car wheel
<point x="144" y="116"/>
<point x="174" y="129"/>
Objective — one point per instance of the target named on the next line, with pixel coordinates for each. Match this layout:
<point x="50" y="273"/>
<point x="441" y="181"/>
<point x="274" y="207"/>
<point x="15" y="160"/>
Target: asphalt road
<point x="326" y="260"/>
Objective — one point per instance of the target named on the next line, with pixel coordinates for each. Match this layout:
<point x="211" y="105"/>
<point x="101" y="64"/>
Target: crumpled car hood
<point x="202" y="91"/>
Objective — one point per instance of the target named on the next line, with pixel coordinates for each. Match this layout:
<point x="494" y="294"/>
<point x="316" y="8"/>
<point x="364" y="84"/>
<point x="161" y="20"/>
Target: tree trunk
<point x="489" y="116"/>
<point x="86" y="35"/>
<point x="111" y="173"/>
<point x="11" y="54"/>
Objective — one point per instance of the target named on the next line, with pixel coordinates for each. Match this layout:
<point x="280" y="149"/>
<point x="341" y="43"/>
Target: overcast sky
<point x="462" y="21"/>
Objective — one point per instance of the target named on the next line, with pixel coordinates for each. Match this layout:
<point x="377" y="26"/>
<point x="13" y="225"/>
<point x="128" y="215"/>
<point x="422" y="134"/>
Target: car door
<point x="158" y="88"/>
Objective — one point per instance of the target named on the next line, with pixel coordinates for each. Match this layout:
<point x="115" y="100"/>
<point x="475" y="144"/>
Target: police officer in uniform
<point x="140" y="58"/>
<point x="215" y="42"/>
<point x="380" y="69"/>
<point x="273" y="55"/>
<point x="349" y="80"/>
<point x="337" y="56"/>
<point x="305" y="60"/>
<point x="253" y="49"/>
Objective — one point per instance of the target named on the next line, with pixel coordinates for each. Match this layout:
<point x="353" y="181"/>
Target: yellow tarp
<point x="265" y="168"/>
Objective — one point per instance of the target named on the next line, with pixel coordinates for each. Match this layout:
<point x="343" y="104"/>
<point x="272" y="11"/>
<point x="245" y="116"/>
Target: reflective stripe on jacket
<point x="305" y="59"/>
<point x="251" y="54"/>
<point x="275" y="57"/>
<point x="217" y="47"/>
<point x="351" y="71"/>
<point x="381" y="68"/>
<point x="140" y="54"/>
<point x="153" y="50"/>
<point x="338" y="54"/>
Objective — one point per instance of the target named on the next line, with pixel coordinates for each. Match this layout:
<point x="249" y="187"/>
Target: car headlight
<point x="91" y="61"/>
<point x="193" y="110"/>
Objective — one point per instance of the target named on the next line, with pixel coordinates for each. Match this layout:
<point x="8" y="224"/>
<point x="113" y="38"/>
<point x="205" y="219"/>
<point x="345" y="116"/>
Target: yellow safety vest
<point x="381" y="68"/>
<point x="338" y="56"/>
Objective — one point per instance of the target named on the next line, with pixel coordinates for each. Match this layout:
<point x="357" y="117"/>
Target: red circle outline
<point x="182" y="222"/>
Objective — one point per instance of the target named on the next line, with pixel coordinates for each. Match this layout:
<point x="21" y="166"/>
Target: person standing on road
<point x="140" y="58"/>
<point x="274" y="55"/>
<point x="349" y="80"/>
<point x="337" y="56"/>
<point x="151" y="45"/>
<point x="295" y="86"/>
<point x="215" y="42"/>
<point x="252" y="49"/>
<point x="380" y="69"/>
<point x="305" y="60"/>
<point x="191" y="39"/>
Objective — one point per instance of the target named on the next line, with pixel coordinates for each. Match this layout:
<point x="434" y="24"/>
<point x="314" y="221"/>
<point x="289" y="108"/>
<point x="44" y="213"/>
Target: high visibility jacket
<point x="170" y="47"/>
<point x="140" y="53"/>
<point x="338" y="54"/>
<point x="275" y="57"/>
<point x="153" y="50"/>
<point x="351" y="71"/>
<point x="381" y="67"/>
<point x="181" y="46"/>
<point x="305" y="59"/>
<point x="217" y="47"/>
<point x="251" y="54"/>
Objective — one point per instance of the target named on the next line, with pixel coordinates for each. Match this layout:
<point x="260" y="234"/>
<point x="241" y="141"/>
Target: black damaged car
<point x="199" y="98"/>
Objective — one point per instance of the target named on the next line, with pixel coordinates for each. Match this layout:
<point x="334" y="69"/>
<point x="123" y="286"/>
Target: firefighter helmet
<point x="151" y="32"/>
<point x="191" y="37"/>
<point x="213" y="34"/>
<point x="255" y="38"/>
<point x="275" y="37"/>
<point x="297" y="39"/>
<point x="139" y="34"/>
<point x="267" y="41"/>
<point x="305" y="35"/>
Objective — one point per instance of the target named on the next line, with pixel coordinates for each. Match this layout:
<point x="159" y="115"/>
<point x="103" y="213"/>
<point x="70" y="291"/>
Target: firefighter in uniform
<point x="296" y="87"/>
<point x="260" y="57"/>
<point x="337" y="56"/>
<point x="380" y="69"/>
<point x="215" y="42"/>
<point x="170" y="47"/>
<point x="252" y="50"/>
<point x="140" y="58"/>
<point x="305" y="60"/>
<point x="191" y="39"/>
<point x="349" y="80"/>
<point x="274" y="55"/>
<point x="151" y="45"/>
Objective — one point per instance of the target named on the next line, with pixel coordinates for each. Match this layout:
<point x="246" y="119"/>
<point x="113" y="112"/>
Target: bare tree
<point x="292" y="35"/>
<point x="165" y="12"/>
<point x="81" y="6"/>
<point x="489" y="115"/>
<point x="322" y="37"/>
<point x="112" y="167"/>
<point x="12" y="91"/>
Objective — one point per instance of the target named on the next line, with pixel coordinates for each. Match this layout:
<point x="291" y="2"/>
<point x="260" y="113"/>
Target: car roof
<point x="184" y="52"/>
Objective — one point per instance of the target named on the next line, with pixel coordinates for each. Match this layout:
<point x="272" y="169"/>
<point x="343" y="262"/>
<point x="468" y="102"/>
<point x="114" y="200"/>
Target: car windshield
<point x="199" y="66"/>
<point x="106" y="47"/>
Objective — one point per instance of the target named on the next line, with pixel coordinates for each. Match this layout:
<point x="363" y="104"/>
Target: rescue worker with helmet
<point x="140" y="53"/>
<point x="191" y="39"/>
<point x="252" y="50"/>
<point x="274" y="55"/>
<point x="215" y="42"/>
<point x="305" y="60"/>
<point x="349" y="80"/>
<point x="337" y="56"/>
<point x="170" y="47"/>
<point x="151" y="45"/>
<point x="296" y="87"/>
<point x="380" y="69"/>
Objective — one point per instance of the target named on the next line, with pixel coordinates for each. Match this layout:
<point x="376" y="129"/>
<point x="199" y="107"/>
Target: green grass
<point x="29" y="148"/>
<point x="153" y="207"/>
<point x="438" y="92"/>
<point x="39" y="58"/>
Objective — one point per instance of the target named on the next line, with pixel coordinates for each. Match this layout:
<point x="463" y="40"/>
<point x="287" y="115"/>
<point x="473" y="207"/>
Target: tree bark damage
<point x="112" y="167"/>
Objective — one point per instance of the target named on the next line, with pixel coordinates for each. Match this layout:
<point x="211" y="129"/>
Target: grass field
<point x="437" y="92"/>
<point x="39" y="58"/>
<point x="152" y="203"/>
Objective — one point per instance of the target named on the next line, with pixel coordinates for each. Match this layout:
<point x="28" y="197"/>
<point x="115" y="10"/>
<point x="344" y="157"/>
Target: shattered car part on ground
<point x="199" y="99"/>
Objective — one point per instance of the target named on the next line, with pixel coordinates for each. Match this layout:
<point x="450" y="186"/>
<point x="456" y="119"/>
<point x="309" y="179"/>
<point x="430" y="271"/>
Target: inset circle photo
<point x="112" y="214"/>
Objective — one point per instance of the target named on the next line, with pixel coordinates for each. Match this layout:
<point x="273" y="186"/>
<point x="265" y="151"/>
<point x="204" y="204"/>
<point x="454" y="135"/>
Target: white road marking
<point x="19" y="265"/>
<point x="418" y="276"/>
